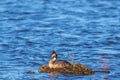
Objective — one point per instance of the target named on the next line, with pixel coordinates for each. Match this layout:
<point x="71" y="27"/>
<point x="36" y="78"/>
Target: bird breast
<point x="59" y="64"/>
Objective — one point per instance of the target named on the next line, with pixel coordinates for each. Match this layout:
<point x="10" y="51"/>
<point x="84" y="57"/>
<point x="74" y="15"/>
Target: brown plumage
<point x="58" y="63"/>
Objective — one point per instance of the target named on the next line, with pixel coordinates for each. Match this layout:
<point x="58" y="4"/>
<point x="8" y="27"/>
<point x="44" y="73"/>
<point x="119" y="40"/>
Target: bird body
<point x="54" y="63"/>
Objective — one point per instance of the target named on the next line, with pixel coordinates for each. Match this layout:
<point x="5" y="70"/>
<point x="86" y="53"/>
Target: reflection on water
<point x="54" y="74"/>
<point x="30" y="30"/>
<point x="105" y="66"/>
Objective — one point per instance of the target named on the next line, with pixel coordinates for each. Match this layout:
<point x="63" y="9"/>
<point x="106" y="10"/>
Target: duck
<point x="57" y="64"/>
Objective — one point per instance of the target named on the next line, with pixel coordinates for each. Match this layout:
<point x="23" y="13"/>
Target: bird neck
<point x="54" y="59"/>
<point x="51" y="62"/>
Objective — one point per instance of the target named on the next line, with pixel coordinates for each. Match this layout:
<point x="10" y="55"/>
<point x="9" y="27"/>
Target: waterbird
<point x="55" y="64"/>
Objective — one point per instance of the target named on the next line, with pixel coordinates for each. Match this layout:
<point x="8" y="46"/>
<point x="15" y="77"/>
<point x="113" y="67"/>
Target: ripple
<point x="89" y="30"/>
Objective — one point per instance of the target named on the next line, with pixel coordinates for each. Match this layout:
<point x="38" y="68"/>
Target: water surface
<point x="31" y="29"/>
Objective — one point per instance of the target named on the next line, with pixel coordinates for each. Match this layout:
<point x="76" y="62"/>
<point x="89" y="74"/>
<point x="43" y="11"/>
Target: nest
<point x="76" y="69"/>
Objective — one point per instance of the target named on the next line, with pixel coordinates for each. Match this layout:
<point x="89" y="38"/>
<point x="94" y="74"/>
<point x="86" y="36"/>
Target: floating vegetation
<point x="76" y="69"/>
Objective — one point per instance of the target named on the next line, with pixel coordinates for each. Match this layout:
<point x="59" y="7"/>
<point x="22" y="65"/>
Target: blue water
<point x="30" y="30"/>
